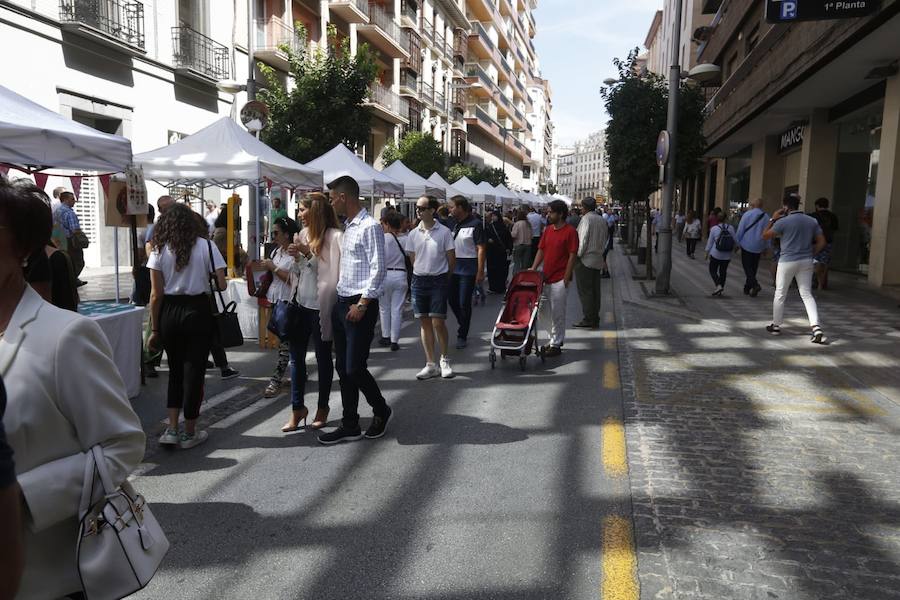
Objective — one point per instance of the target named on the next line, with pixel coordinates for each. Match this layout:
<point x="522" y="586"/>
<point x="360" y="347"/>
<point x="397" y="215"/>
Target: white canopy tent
<point x="565" y="199"/>
<point x="490" y="194"/>
<point x="225" y="155"/>
<point x="466" y="188"/>
<point x="501" y="192"/>
<point x="341" y="161"/>
<point x="449" y="190"/>
<point x="414" y="185"/>
<point x="529" y="198"/>
<point x="35" y="138"/>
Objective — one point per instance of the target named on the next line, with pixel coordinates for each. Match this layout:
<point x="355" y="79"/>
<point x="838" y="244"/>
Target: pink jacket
<point x="327" y="270"/>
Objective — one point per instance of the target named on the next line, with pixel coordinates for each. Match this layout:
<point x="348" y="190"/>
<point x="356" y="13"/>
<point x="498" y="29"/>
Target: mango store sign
<point x="792" y="138"/>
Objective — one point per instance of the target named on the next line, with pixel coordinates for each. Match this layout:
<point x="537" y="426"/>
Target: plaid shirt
<point x="68" y="219"/>
<point x="362" y="258"/>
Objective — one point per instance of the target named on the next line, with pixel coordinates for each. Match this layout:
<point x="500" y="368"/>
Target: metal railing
<point x="378" y="16"/>
<point x="120" y="19"/>
<point x="426" y="27"/>
<point x="274" y="33"/>
<point x="439" y="43"/>
<point x="483" y="34"/>
<point x="409" y="81"/>
<point x="193" y="50"/>
<point x="440" y="101"/>
<point x="409" y="10"/>
<point x="476" y="70"/>
<point x="381" y="95"/>
<point x="362" y="5"/>
<point x="426" y="92"/>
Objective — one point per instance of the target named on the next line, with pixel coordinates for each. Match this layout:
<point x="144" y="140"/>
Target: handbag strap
<point x="214" y="289"/>
<point x="95" y="463"/>
<point x="402" y="252"/>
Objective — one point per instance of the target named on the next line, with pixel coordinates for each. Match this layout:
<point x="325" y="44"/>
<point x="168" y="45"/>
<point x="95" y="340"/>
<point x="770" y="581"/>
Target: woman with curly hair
<point x="181" y="311"/>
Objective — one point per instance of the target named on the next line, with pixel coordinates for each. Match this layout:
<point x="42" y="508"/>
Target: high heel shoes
<point x="296" y="417"/>
<point x="321" y="419"/>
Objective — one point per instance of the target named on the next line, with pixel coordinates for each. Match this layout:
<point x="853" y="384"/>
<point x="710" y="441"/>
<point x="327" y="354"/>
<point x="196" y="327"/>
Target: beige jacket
<point x="326" y="269"/>
<point x="593" y="233"/>
<point x="65" y="395"/>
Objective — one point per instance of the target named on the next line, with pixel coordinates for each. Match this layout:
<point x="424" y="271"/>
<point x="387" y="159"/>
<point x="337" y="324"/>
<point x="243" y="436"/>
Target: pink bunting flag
<point x="268" y="184"/>
<point x="76" y="184"/>
<point x="104" y="183"/>
<point x="40" y="180"/>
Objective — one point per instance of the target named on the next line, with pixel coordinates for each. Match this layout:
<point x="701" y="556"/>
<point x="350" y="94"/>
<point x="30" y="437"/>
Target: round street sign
<point x="662" y="148"/>
<point x="255" y="115"/>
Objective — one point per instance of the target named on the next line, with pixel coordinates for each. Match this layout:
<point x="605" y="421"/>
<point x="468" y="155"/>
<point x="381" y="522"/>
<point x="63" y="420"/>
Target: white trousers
<point x="802" y="271"/>
<point x="390" y="305"/>
<point x="553" y="311"/>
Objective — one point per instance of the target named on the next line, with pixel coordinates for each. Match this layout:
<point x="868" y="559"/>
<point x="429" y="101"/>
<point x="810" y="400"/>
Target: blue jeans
<point x="308" y="327"/>
<point x="460" y="298"/>
<point x="351" y="350"/>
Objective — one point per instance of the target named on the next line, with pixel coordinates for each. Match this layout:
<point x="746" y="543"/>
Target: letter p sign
<point x="788" y="9"/>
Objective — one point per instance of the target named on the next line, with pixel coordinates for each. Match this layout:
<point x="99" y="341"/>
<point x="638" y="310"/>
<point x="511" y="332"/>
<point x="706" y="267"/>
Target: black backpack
<point x="725" y="241"/>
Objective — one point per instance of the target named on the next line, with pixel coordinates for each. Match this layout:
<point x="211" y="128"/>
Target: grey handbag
<point x="120" y="543"/>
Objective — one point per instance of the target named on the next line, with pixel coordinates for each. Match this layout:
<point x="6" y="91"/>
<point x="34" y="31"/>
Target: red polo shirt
<point x="557" y="245"/>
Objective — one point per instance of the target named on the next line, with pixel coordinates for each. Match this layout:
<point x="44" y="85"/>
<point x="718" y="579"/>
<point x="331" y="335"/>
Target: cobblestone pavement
<point x="760" y="467"/>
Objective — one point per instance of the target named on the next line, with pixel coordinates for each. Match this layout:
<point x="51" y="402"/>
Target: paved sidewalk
<point x="760" y="467"/>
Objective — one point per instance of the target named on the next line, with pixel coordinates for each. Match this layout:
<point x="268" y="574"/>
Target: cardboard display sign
<point x="116" y="206"/>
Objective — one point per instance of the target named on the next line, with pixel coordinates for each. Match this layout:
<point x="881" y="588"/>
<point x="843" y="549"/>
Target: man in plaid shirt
<point x="69" y="220"/>
<point x="360" y="282"/>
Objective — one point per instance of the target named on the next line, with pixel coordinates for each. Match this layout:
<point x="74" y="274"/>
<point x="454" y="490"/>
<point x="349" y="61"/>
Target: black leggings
<point x="718" y="270"/>
<point x="691" y="244"/>
<point x="186" y="325"/>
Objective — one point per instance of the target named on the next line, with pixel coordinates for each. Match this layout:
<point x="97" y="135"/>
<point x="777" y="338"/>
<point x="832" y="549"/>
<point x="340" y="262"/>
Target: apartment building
<point x="541" y="142"/>
<point x="811" y="107"/>
<point x="581" y="168"/>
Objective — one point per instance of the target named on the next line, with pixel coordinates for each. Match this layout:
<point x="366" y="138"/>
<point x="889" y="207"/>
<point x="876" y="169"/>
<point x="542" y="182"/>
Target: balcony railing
<point x="485" y="37"/>
<point x="426" y="27"/>
<point x="410" y="41"/>
<point x="383" y="96"/>
<point x="122" y="20"/>
<point x="476" y="70"/>
<point x="274" y="33"/>
<point x="426" y="92"/>
<point x="378" y="16"/>
<point x="409" y="81"/>
<point x="362" y="5"/>
<point x="409" y="10"/>
<point x="460" y="44"/>
<point x="195" y="52"/>
<point x="440" y="101"/>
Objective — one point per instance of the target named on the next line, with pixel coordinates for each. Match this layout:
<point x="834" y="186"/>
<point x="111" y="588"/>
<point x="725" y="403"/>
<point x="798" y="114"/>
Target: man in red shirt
<point x="557" y="250"/>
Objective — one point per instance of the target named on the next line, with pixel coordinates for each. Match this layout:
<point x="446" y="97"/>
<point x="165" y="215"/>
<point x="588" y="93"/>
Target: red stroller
<point x="515" y="332"/>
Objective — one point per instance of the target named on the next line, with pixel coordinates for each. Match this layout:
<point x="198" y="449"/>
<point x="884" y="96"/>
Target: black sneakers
<point x="341" y="435"/>
<point x="379" y="424"/>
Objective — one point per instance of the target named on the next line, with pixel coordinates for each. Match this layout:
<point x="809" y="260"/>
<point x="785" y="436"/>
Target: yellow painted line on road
<point x="612" y="447"/>
<point x="610" y="375"/>
<point x="609" y="340"/>
<point x="619" y="563"/>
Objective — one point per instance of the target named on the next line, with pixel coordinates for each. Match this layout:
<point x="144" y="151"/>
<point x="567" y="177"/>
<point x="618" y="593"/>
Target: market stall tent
<point x="471" y="191"/>
<point x="414" y="185"/>
<point x="36" y="138"/>
<point x="225" y="155"/>
<point x="449" y="190"/>
<point x="341" y="161"/>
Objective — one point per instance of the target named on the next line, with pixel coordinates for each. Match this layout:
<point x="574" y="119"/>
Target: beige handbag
<point x="120" y="543"/>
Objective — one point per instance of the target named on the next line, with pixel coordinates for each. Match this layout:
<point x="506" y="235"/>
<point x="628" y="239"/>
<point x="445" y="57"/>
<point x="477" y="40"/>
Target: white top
<point x="679" y="219"/>
<point x="393" y="253"/>
<point x="280" y="290"/>
<point x="692" y="230"/>
<point x="536" y="223"/>
<point x="307" y="272"/>
<point x="430" y="247"/>
<point x="193" y="279"/>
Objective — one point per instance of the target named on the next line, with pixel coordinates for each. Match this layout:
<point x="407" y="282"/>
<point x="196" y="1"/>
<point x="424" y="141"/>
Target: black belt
<point x="396" y="269"/>
<point x="350" y="299"/>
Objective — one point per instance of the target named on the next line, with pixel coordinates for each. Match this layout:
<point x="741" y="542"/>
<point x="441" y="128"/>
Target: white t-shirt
<point x="430" y="247"/>
<point x="280" y="290"/>
<point x="393" y="254"/>
<point x="193" y="279"/>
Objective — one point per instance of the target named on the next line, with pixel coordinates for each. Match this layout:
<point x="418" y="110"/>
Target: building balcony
<point x="352" y="11"/>
<point x="475" y="73"/>
<point x="195" y="55"/>
<point x="426" y="93"/>
<point x="413" y="44"/>
<point x="383" y="33"/>
<point x="274" y="38"/>
<point x="426" y="28"/>
<point x="480" y="42"/>
<point x="460" y="44"/>
<point x="115" y="23"/>
<point x="409" y="14"/>
<point x="409" y="84"/>
<point x="387" y="105"/>
<point x="480" y="119"/>
<point x="440" y="102"/>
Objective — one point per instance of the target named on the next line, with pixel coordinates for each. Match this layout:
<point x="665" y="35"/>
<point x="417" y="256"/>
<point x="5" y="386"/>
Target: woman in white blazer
<point x="65" y="395"/>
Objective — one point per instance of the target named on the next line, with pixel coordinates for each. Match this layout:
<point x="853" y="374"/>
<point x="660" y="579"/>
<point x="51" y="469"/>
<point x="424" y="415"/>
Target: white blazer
<point x="64" y="396"/>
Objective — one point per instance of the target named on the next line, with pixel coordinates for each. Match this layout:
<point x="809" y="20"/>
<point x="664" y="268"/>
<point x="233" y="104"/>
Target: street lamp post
<point x="505" y="132"/>
<point x="664" y="232"/>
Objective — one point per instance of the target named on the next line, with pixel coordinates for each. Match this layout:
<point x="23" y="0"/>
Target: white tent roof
<point x="414" y="185"/>
<point x="565" y="199"/>
<point x="31" y="135"/>
<point x="471" y="191"/>
<point x="449" y="190"/>
<point x="226" y="155"/>
<point x="490" y="194"/>
<point x="341" y="161"/>
<point x="501" y="191"/>
<point x="531" y="198"/>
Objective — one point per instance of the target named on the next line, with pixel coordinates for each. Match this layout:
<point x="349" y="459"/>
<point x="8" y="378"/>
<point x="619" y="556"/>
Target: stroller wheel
<point x="522" y="361"/>
<point x="493" y="357"/>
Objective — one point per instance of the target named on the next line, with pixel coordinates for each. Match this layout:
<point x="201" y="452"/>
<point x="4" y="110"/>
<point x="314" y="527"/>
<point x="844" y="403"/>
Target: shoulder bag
<point x="286" y="314"/>
<point x="226" y="321"/>
<point x="120" y="543"/>
<point x="406" y="262"/>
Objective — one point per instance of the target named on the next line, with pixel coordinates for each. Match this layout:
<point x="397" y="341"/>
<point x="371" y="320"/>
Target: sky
<point x="576" y="42"/>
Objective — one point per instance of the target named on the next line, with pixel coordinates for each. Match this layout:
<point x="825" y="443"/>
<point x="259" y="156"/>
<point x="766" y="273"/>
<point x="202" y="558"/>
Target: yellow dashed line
<point x="609" y="340"/>
<point x="618" y="561"/>
<point x="612" y="450"/>
<point x="610" y="375"/>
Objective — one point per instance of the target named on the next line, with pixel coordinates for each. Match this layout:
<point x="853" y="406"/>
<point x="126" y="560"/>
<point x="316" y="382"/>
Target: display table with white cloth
<point x="123" y="326"/>
<point x="247" y="307"/>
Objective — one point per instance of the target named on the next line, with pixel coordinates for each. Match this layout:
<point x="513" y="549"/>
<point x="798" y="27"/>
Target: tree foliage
<point x="324" y="108"/>
<point x="637" y="106"/>
<point x="418" y="151"/>
<point x="476" y="174"/>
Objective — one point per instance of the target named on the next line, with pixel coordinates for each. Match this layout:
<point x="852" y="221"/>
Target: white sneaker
<point x="428" y="372"/>
<point x="169" y="437"/>
<point x="189" y="440"/>
<point x="446" y="371"/>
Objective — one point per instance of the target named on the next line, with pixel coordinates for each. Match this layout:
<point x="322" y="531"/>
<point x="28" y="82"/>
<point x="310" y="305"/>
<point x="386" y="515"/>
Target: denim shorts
<point x="429" y="295"/>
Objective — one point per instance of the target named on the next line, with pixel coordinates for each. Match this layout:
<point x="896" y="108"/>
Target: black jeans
<point x="351" y="349"/>
<point x="750" y="262"/>
<point x="459" y="296"/>
<point x="308" y="327"/>
<point x="217" y="349"/>
<point x="718" y="269"/>
<point x="691" y="244"/>
<point x="186" y="325"/>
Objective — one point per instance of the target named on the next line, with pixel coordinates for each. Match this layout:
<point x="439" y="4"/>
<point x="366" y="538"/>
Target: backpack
<point x="725" y="241"/>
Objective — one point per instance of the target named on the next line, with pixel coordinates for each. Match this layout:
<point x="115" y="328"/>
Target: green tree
<point x="418" y="151"/>
<point x="459" y="170"/>
<point x="325" y="106"/>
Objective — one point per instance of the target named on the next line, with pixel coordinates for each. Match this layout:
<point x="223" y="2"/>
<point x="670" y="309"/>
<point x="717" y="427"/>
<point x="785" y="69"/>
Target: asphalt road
<point x="491" y="485"/>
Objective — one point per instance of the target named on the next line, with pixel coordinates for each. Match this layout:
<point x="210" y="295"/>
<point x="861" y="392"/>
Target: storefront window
<point x="737" y="180"/>
<point x="854" y="189"/>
